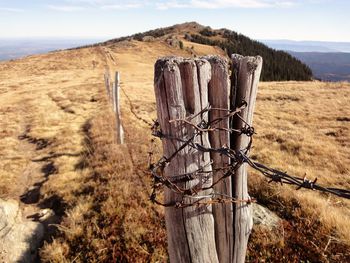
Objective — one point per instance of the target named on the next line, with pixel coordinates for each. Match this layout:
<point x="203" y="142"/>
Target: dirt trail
<point x="45" y="101"/>
<point x="41" y="116"/>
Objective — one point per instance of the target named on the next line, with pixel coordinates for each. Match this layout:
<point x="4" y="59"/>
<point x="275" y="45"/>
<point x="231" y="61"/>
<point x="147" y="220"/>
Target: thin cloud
<point x="65" y="8"/>
<point x="286" y="4"/>
<point x="91" y="2"/>
<point x="76" y="5"/>
<point x="229" y="3"/>
<point x="11" y="10"/>
<point x="109" y="4"/>
<point x="219" y="4"/>
<point x="121" y="7"/>
<point x="171" y="5"/>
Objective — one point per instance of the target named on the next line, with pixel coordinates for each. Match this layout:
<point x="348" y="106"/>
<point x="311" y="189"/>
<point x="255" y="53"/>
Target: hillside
<point x="278" y="65"/>
<point x="58" y="152"/>
<point x="334" y="66"/>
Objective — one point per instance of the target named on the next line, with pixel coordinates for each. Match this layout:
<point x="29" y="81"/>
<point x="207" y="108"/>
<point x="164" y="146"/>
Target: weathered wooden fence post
<point x="107" y="83"/>
<point x="219" y="88"/>
<point x="181" y="88"/>
<point x="244" y="86"/>
<point x="192" y="94"/>
<point x="116" y="109"/>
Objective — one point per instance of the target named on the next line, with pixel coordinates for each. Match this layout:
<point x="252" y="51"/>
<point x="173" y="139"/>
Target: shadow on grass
<point x="47" y="230"/>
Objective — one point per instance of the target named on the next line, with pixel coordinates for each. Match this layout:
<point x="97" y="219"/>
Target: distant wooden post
<point x="116" y="109"/>
<point x="219" y="87"/>
<point x="244" y="86"/>
<point x="107" y="83"/>
<point x="181" y="88"/>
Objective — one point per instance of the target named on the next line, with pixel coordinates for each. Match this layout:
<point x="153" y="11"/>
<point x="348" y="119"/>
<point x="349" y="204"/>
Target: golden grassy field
<point x="58" y="151"/>
<point x="45" y="102"/>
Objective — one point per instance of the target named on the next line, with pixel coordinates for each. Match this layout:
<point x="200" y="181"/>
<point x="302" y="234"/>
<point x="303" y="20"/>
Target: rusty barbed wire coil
<point x="203" y="175"/>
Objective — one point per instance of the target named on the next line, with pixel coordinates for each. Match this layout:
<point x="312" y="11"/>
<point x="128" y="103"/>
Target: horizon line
<point x="114" y="37"/>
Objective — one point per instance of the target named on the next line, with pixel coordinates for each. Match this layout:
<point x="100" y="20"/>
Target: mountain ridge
<point x="278" y="65"/>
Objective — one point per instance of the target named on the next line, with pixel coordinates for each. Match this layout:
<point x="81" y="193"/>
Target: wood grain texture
<point x="219" y="87"/>
<point x="244" y="86"/>
<point x="181" y="88"/>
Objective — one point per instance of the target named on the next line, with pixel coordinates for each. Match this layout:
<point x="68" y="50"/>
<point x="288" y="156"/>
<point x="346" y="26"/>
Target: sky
<point x="322" y="20"/>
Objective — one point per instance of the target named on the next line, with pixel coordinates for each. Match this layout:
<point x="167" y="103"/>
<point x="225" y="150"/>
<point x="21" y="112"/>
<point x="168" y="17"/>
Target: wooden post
<point x="116" y="109"/>
<point x="107" y="84"/>
<point x="219" y="87"/>
<point x="244" y="86"/>
<point x="181" y="88"/>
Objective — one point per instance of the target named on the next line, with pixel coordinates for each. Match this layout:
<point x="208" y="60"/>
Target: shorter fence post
<point x="116" y="109"/>
<point x="244" y="87"/>
<point x="107" y="84"/>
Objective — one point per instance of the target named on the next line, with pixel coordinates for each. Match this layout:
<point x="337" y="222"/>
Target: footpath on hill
<point x="45" y="102"/>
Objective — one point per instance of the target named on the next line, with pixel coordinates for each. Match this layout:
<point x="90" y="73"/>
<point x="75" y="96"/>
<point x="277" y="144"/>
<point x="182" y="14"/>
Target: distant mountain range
<point x="308" y="46"/>
<point x="331" y="66"/>
<point x="329" y="61"/>
<point x="12" y="48"/>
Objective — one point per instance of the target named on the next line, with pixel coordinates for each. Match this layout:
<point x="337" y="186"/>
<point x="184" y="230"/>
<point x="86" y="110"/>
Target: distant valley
<point x="329" y="61"/>
<point x="331" y="66"/>
<point x="12" y="48"/>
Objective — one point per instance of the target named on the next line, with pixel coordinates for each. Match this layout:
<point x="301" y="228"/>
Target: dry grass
<point x="301" y="130"/>
<point x="113" y="221"/>
<point x="56" y="126"/>
<point x="44" y="103"/>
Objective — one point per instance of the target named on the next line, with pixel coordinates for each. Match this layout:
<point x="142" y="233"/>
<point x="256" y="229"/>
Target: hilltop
<point x="59" y="154"/>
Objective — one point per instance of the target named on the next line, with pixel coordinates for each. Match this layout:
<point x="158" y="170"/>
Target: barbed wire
<point x="193" y="195"/>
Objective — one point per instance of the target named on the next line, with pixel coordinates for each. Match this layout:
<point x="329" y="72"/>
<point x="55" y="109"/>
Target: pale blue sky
<point x="324" y="20"/>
